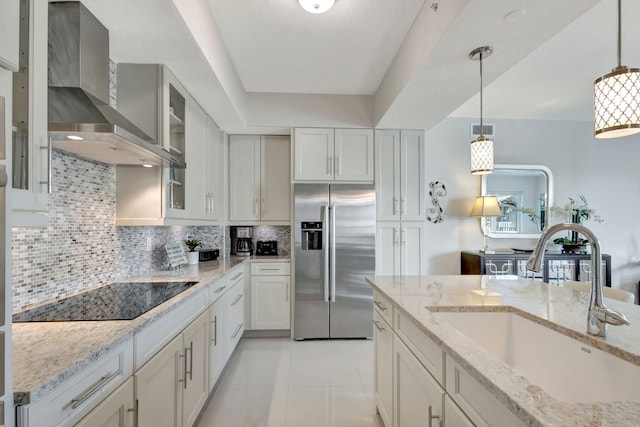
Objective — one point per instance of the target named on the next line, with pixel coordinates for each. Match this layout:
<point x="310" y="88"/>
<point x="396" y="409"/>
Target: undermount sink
<point x="563" y="367"/>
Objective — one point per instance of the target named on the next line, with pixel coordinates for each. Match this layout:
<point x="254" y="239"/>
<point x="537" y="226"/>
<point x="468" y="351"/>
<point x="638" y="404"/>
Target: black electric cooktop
<point x="118" y="301"/>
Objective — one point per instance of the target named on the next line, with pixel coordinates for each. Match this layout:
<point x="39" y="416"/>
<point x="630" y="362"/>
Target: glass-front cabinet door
<point x="174" y="129"/>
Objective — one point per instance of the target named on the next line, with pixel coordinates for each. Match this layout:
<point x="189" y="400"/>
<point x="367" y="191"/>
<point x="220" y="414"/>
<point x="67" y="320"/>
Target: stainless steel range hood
<point x="80" y="118"/>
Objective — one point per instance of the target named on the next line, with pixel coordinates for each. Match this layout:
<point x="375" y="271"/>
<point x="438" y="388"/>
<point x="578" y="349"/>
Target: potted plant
<point x="193" y="256"/>
<point x="576" y="211"/>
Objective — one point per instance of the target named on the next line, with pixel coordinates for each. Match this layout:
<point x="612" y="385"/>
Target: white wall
<point x="606" y="172"/>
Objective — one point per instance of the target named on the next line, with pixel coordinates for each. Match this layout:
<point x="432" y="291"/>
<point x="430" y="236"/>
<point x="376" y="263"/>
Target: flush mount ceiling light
<point x="616" y="98"/>
<point x="481" y="148"/>
<point x="316" y="6"/>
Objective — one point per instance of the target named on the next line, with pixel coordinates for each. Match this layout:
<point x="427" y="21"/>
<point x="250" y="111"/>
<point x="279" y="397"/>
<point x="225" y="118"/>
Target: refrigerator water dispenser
<point x="311" y="236"/>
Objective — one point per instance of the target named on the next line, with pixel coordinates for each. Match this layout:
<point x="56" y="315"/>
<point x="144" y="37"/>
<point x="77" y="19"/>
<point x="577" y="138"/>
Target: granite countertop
<point x="45" y="354"/>
<point x="558" y="308"/>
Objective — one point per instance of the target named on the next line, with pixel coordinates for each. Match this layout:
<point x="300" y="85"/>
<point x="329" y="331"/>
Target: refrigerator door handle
<point x="325" y="239"/>
<point x="333" y="253"/>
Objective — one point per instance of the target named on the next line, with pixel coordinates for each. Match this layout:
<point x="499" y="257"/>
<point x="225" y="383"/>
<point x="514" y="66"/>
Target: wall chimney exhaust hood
<point x="81" y="120"/>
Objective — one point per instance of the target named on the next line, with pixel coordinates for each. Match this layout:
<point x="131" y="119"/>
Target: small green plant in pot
<point x="193" y="257"/>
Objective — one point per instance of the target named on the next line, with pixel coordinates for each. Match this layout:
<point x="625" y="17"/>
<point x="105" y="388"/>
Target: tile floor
<point x="280" y="382"/>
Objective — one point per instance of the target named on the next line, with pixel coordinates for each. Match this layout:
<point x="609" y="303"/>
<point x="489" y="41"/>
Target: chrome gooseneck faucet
<point x="599" y="315"/>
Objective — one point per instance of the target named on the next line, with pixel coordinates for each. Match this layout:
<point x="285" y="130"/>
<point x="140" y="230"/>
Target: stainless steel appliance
<point x="244" y="243"/>
<point x="334" y="251"/>
<point x="267" y="247"/>
<point x="79" y="94"/>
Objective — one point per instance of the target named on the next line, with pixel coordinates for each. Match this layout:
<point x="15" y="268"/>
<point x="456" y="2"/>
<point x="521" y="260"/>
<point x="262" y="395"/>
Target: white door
<point x="217" y="359"/>
<point x="275" y="185"/>
<point x="196" y="390"/>
<point x="353" y="155"/>
<point x="197" y="162"/>
<point x="270" y="305"/>
<point x="387" y="174"/>
<point x="244" y="177"/>
<point x="387" y="248"/>
<point x="383" y="374"/>
<point x="418" y="397"/>
<point x="213" y="172"/>
<point x="117" y="410"/>
<point x="412" y="172"/>
<point x="412" y="245"/>
<point x="9" y="22"/>
<point x="313" y="154"/>
<point x="159" y="386"/>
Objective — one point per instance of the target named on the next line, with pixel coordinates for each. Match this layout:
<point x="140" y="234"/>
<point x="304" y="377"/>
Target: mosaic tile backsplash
<point x="82" y="248"/>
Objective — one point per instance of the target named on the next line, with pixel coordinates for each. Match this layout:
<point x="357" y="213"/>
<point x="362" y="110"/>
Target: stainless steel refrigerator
<point x="334" y="226"/>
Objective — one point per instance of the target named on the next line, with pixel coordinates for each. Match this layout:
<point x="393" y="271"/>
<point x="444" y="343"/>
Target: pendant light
<point x="316" y="6"/>
<point x="481" y="147"/>
<point x="616" y="98"/>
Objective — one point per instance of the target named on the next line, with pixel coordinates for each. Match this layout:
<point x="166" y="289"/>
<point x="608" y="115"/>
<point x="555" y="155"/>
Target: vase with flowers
<point x="576" y="211"/>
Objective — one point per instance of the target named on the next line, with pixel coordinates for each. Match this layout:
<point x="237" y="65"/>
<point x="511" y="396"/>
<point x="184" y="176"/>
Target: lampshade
<point x="481" y="148"/>
<point x="486" y="206"/>
<point x="616" y="98"/>
<point x="617" y="103"/>
<point x="481" y="156"/>
<point x="316" y="6"/>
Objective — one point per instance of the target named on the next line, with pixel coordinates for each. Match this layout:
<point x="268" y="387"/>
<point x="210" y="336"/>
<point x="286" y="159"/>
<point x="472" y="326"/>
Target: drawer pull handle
<point x="269" y="269"/>
<point x="217" y="291"/>
<point x="236" y="300"/>
<point x="380" y="328"/>
<point x="93" y="389"/>
<point x="379" y="304"/>
<point x="237" y="275"/>
<point x="235" y="333"/>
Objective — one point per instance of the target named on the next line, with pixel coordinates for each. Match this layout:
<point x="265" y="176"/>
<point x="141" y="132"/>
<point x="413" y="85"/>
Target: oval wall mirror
<point x="525" y="194"/>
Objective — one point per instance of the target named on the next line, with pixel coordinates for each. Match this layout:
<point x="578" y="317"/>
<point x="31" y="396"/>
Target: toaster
<point x="209" y="254"/>
<point x="267" y="247"/>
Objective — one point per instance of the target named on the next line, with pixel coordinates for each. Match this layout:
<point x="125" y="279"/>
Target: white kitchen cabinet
<point x="159" y="387"/>
<point x="204" y="165"/>
<point x="333" y="155"/>
<point x="400" y="175"/>
<point x="259" y="179"/>
<point x="117" y="410"/>
<point x="151" y="97"/>
<point x="30" y="147"/>
<point x="418" y="396"/>
<point x="400" y="248"/>
<point x="270" y="296"/>
<point x="453" y="416"/>
<point x="9" y="23"/>
<point x="217" y="360"/>
<point x="196" y="384"/>
<point x="233" y="325"/>
<point x="383" y="373"/>
<point x="172" y="387"/>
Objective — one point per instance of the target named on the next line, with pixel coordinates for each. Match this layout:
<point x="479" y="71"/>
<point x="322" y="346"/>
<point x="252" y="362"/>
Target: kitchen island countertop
<point x="555" y="307"/>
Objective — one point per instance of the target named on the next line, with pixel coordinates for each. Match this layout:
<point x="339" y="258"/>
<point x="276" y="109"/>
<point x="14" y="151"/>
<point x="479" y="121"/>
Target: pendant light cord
<point x="619" y="33"/>
<point x="481" y="126"/>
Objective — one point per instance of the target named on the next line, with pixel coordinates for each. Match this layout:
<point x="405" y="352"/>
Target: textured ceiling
<point x="267" y="65"/>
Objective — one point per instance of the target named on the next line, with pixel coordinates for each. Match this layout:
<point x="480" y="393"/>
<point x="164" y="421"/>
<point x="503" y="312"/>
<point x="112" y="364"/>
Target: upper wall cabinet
<point x="9" y="22"/>
<point x="400" y="175"/>
<point x="333" y="155"/>
<point x="30" y="146"/>
<point x="151" y="97"/>
<point x="259" y="179"/>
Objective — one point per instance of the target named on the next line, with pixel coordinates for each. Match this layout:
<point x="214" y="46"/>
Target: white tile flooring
<point x="280" y="382"/>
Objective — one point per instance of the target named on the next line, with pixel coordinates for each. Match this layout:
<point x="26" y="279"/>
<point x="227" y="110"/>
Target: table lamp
<point x="486" y="207"/>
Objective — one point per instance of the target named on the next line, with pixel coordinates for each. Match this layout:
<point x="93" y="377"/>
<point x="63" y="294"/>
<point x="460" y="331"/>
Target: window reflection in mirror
<point x="524" y="193"/>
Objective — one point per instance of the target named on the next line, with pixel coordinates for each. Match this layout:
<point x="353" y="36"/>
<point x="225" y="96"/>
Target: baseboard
<point x="272" y="333"/>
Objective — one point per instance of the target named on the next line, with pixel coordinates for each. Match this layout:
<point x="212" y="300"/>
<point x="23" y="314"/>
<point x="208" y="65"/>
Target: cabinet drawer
<point x="217" y="289"/>
<point x="235" y="276"/>
<point x="383" y="306"/>
<point x="425" y="349"/>
<point x="270" y="269"/>
<point x="475" y="400"/>
<point x="73" y="399"/>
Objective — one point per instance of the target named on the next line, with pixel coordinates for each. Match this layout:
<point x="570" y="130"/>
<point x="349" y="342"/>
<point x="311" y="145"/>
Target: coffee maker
<point x="244" y="243"/>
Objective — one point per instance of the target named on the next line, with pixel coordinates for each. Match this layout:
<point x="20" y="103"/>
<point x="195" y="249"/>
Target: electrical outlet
<point x="149" y="244"/>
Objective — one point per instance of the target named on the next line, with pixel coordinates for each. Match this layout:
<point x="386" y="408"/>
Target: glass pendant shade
<point x="617" y="103"/>
<point x="481" y="156"/>
<point x="316" y="6"/>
